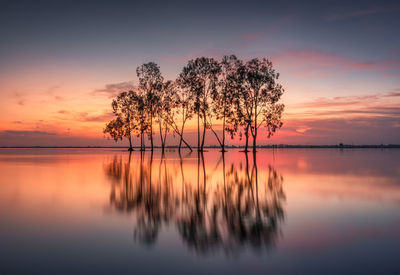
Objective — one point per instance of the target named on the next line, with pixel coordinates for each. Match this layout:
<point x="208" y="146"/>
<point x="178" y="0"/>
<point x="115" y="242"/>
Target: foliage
<point x="200" y="78"/>
<point x="241" y="96"/>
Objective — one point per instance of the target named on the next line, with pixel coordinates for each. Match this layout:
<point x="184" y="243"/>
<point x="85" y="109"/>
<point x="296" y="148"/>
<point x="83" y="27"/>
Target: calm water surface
<point x="293" y="211"/>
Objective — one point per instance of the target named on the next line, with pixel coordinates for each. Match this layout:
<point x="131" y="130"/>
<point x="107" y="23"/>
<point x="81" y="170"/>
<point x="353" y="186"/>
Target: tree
<point x="200" y="78"/>
<point x="259" y="96"/>
<point x="225" y="95"/>
<point x="182" y="111"/>
<point x="117" y="130"/>
<point x="125" y="123"/>
<point x="131" y="118"/>
<point x="141" y="117"/>
<point x="165" y="110"/>
<point x="150" y="82"/>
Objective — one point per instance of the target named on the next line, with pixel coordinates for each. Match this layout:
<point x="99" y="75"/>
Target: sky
<point x="62" y="62"/>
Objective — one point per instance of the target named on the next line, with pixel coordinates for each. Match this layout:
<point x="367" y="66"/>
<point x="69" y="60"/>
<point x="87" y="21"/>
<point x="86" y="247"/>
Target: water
<point x="293" y="211"/>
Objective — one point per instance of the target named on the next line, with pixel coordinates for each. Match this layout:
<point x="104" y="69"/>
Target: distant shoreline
<point x="277" y="146"/>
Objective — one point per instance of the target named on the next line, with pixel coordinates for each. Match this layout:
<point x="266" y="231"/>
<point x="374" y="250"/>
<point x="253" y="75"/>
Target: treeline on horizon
<point x="241" y="96"/>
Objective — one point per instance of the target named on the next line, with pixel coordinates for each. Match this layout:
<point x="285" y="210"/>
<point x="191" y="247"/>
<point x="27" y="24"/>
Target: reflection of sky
<point x="58" y="58"/>
<point x="341" y="212"/>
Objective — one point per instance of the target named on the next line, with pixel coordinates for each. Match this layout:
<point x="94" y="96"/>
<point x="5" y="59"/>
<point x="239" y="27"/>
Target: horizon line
<point x="272" y="146"/>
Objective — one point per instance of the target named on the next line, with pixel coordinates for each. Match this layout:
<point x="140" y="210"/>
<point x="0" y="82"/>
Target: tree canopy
<point x="226" y="96"/>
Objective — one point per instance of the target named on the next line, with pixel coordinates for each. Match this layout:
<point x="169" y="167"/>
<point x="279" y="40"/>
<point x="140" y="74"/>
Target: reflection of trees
<point x="136" y="191"/>
<point x="237" y="211"/>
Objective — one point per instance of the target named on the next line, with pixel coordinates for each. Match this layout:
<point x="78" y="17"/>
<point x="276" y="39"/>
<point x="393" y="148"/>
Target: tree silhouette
<point x="200" y="78"/>
<point x="170" y="105"/>
<point x="184" y="107"/>
<point x="126" y="121"/>
<point x="231" y="92"/>
<point x="225" y="95"/>
<point x="150" y="82"/>
<point x="165" y="110"/>
<point x="117" y="129"/>
<point x="142" y="118"/>
<point x="259" y="96"/>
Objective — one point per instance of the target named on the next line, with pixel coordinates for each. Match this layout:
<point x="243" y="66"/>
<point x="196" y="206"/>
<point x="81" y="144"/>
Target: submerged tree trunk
<point x="246" y="133"/>
<point x="255" y="140"/>
<point x="151" y="129"/>
<point x="142" y="144"/>
<point x="183" y="140"/>
<point x="180" y="143"/>
<point x="130" y="143"/>
<point x="161" y="137"/>
<point x="198" y="131"/>
<point x="165" y="138"/>
<point x="223" y="135"/>
<point x="254" y="133"/>
<point x="204" y="131"/>
<point x="183" y="125"/>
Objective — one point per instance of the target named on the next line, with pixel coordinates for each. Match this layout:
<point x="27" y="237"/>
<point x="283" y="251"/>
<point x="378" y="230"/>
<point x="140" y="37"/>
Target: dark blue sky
<point x="92" y="29"/>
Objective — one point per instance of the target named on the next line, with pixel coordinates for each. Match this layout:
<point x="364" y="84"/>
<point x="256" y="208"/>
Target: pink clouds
<point x="318" y="63"/>
<point x="360" y="101"/>
<point x="356" y="13"/>
<point x="251" y="36"/>
<point x="113" y="89"/>
<point x="358" y="119"/>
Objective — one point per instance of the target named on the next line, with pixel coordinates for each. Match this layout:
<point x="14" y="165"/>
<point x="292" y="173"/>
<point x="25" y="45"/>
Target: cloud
<point x="20" y="97"/>
<point x="113" y="89"/>
<point x="14" y="133"/>
<point x="64" y="112"/>
<point x="376" y="103"/>
<point x="303" y="129"/>
<point x="85" y="116"/>
<point x="52" y="89"/>
<point x="59" y="98"/>
<point x="356" y="13"/>
<point x="326" y="130"/>
<point x="394" y="93"/>
<point x="367" y="119"/>
<point x="251" y="36"/>
<point x="341" y="101"/>
<point x="323" y="59"/>
<point x="318" y="63"/>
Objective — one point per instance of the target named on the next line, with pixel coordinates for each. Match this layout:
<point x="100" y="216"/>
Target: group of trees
<point x="240" y="96"/>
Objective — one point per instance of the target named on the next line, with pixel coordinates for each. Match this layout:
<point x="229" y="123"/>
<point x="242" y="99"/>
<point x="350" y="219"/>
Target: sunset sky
<point x="61" y="63"/>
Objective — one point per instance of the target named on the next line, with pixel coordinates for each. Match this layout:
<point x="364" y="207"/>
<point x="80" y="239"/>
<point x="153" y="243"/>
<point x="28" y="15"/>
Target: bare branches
<point x="240" y="96"/>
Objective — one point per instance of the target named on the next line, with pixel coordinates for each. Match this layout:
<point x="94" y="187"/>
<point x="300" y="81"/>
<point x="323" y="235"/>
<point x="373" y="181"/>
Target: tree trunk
<point x="130" y="143"/>
<point x="161" y="136"/>
<point x="223" y="134"/>
<point x="246" y="133"/>
<point x="151" y="128"/>
<point x="165" y="137"/>
<point x="254" y="141"/>
<point x="187" y="144"/>
<point x="183" y="125"/>
<point x="180" y="143"/>
<point x="204" y="130"/>
<point x="142" y="143"/>
<point x="255" y="128"/>
<point x="198" y="131"/>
